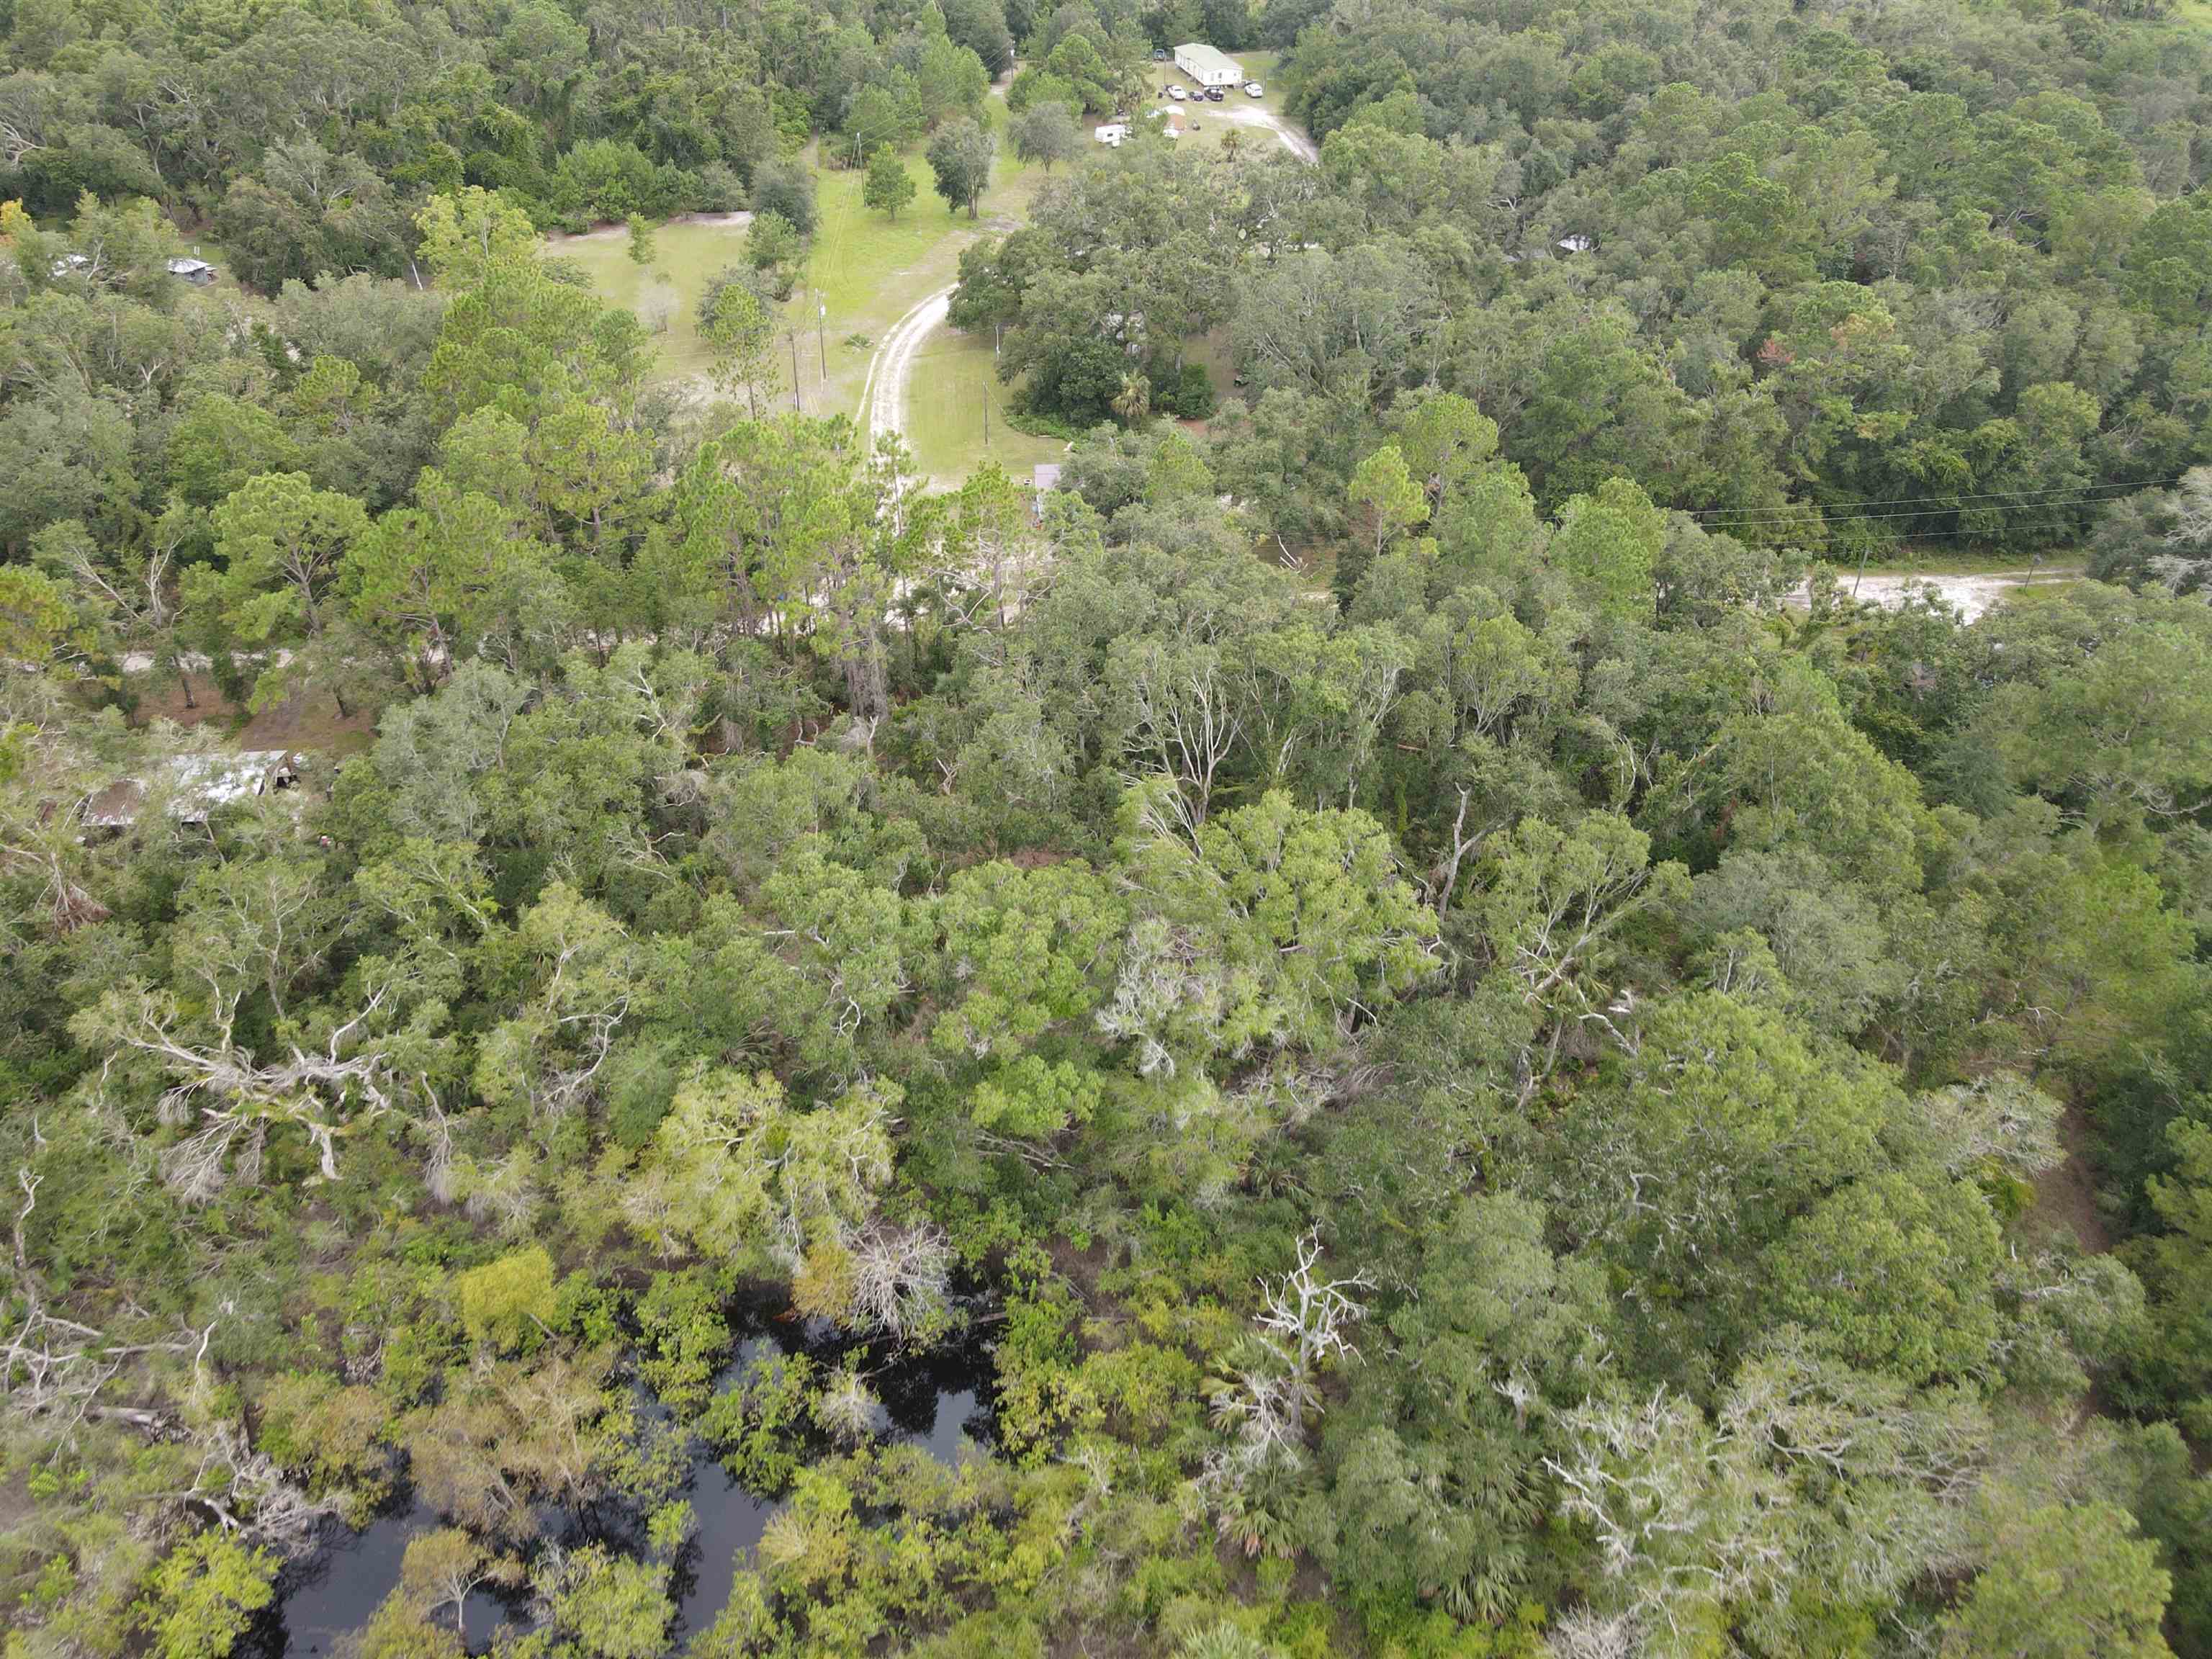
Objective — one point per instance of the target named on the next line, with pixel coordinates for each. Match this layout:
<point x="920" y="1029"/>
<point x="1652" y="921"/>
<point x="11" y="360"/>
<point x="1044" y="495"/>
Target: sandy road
<point x="1246" y="115"/>
<point x="882" y="394"/>
<point x="1971" y="596"/>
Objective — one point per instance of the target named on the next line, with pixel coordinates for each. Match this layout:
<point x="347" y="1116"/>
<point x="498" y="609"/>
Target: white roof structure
<point x="190" y="787"/>
<point x="1043" y="482"/>
<point x="185" y="266"/>
<point x="1207" y="66"/>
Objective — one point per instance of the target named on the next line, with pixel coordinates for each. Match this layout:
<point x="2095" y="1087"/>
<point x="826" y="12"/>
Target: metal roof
<point x="1201" y="56"/>
<point x="189" y="787"/>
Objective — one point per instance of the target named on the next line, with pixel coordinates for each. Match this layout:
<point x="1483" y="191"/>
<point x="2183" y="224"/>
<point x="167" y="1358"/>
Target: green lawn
<point x="865" y="272"/>
<point x="865" y="269"/>
<point x="870" y="271"/>
<point x="953" y="381"/>
<point x="1216" y="353"/>
<point x="666" y="297"/>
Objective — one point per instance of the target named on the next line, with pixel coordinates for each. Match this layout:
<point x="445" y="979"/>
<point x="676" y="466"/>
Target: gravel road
<point x="882" y="394"/>
<point x="1245" y="115"/>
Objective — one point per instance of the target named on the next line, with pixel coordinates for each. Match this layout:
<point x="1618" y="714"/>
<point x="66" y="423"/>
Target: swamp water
<point x="930" y="1400"/>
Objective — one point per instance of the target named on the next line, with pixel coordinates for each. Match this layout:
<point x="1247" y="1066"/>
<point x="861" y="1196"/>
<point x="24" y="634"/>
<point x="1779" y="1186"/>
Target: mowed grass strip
<point x="666" y="297"/>
<point x="869" y="270"/>
<point x="863" y="271"/>
<point x="954" y="380"/>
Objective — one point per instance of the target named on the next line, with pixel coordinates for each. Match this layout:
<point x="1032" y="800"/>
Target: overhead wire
<point x="2056" y="495"/>
<point x="1946" y="535"/>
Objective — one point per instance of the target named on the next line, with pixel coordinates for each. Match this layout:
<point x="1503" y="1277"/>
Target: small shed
<point x="1208" y="68"/>
<point x="198" y="272"/>
<point x="1043" y="482"/>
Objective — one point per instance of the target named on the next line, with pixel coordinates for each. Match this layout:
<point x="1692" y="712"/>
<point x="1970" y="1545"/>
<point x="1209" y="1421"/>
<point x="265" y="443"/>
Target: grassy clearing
<point x="863" y="273"/>
<point x="870" y="271"/>
<point x="666" y="297"/>
<point x="954" y="380"/>
<point x="863" y="269"/>
<point x="1216" y="353"/>
<point x="1212" y="120"/>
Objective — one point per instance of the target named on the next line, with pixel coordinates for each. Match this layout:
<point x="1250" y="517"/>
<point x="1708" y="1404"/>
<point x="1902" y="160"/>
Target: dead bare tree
<point x="848" y="1408"/>
<point x="327" y="1094"/>
<point x="1185" y="715"/>
<point x="1303" y="1322"/>
<point x="901" y="1276"/>
<point x="248" y="1494"/>
<point x="53" y="1368"/>
<point x="1584" y="1634"/>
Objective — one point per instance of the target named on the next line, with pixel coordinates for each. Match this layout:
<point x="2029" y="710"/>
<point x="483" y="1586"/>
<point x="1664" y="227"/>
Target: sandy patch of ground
<point x="309" y="722"/>
<point x="1249" y="115"/>
<point x="1971" y="596"/>
<point x="2066" y="1197"/>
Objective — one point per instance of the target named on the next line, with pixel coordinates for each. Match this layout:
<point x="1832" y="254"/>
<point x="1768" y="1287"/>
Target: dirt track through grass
<point x="854" y="324"/>
<point x="864" y="272"/>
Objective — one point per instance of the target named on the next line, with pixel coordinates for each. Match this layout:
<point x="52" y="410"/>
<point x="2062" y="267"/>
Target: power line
<point x="1912" y="536"/>
<point x="1952" y="503"/>
<point x="1916" y="513"/>
<point x="1895" y="501"/>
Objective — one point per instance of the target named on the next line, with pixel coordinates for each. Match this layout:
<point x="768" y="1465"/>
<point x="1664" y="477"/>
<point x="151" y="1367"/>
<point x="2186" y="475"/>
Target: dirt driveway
<point x="883" y="395"/>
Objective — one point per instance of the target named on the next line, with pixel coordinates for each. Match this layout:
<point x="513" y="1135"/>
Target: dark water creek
<point x="932" y="1400"/>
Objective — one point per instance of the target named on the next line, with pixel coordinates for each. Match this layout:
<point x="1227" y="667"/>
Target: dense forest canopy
<point x="1459" y="1053"/>
<point x="1830" y="280"/>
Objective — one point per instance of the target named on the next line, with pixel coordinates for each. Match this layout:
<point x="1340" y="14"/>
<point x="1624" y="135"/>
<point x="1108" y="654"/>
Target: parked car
<point x="1159" y="55"/>
<point x="1214" y="94"/>
<point x="1254" y="89"/>
<point x="1177" y="93"/>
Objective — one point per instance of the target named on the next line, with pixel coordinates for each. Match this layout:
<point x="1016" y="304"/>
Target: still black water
<point x="930" y="1400"/>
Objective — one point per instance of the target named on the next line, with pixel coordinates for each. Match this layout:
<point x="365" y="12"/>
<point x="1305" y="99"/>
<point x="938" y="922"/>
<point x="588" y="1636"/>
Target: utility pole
<point x="821" y="323"/>
<point x="792" y="336"/>
<point x="987" y="389"/>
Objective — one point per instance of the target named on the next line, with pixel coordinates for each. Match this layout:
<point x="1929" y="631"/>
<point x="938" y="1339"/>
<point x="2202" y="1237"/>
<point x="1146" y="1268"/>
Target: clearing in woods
<point x="864" y="273"/>
<point x="951" y="382"/>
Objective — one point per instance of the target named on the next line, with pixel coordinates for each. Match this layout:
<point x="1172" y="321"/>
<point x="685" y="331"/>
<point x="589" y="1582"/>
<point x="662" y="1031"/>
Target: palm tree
<point x="1134" y="400"/>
